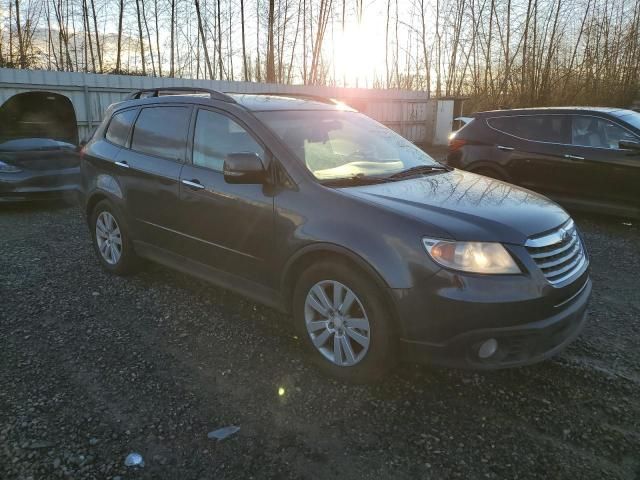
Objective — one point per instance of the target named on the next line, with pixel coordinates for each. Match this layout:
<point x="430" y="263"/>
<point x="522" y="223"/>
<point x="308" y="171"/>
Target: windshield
<point x="338" y="144"/>
<point x="631" y="117"/>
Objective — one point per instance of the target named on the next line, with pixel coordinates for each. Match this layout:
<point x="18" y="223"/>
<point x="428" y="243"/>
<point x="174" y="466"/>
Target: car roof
<point x="251" y="102"/>
<point x="267" y="102"/>
<point x="523" y="111"/>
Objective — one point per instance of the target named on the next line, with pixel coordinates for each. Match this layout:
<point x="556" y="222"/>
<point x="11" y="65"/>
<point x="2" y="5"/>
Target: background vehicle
<point x="377" y="250"/>
<point x="587" y="158"/>
<point x="38" y="148"/>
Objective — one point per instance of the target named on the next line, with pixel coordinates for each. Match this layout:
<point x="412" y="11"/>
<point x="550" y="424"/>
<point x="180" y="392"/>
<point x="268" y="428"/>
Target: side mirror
<point x="628" y="145"/>
<point x="244" y="168"/>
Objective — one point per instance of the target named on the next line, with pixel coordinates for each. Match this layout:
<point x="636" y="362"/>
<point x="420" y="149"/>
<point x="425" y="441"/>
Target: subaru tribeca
<point x="377" y="251"/>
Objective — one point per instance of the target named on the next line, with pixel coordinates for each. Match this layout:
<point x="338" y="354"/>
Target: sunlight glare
<point x="354" y="57"/>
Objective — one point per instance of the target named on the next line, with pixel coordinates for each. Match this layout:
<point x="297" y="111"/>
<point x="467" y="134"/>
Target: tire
<point x="122" y="259"/>
<point x="358" y="362"/>
<point x="490" y="172"/>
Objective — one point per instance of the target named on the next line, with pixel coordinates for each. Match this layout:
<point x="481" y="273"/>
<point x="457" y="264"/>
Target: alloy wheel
<point x="108" y="238"/>
<point x="337" y="323"/>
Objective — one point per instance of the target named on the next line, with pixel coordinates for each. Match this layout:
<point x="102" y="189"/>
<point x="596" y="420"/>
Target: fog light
<point x="488" y="348"/>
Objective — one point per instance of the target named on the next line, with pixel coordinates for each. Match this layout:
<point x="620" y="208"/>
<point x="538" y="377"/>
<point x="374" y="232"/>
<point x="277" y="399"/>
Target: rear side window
<point x="217" y="136"/>
<point x="162" y="131"/>
<point x="119" y="127"/>
<point x="537" y="128"/>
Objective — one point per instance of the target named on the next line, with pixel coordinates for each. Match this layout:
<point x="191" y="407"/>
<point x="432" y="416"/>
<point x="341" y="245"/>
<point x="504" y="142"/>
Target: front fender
<point x="320" y="218"/>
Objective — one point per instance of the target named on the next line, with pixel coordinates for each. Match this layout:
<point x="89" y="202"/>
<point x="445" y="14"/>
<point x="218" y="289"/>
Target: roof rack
<point x="317" y="98"/>
<point x="155" y="92"/>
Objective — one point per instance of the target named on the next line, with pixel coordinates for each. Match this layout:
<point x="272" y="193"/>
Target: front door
<point x="608" y="174"/>
<point x="226" y="226"/>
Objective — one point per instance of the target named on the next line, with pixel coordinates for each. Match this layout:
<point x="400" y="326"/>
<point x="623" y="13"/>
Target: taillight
<point x="456" y="144"/>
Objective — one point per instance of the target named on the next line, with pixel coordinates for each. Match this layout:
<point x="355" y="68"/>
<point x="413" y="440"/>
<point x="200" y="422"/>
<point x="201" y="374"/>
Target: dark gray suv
<point x="377" y="251"/>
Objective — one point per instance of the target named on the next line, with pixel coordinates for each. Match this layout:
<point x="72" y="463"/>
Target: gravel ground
<point x="93" y="367"/>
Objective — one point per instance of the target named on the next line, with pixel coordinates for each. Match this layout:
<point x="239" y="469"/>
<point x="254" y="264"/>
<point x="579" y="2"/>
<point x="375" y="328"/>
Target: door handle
<point x="504" y="149"/>
<point x="194" y="184"/>
<point x="122" y="164"/>
<point x="573" y="157"/>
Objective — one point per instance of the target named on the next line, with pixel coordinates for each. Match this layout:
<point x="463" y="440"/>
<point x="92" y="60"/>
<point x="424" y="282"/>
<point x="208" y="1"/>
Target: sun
<point x="355" y="54"/>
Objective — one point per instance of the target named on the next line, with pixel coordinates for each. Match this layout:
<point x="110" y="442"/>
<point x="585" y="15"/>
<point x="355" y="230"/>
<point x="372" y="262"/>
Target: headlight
<point x="8" y="168"/>
<point x="475" y="257"/>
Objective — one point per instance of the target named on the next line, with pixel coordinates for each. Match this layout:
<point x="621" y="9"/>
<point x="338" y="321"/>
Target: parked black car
<point x="378" y="251"/>
<point x="38" y="148"/>
<point x="584" y="158"/>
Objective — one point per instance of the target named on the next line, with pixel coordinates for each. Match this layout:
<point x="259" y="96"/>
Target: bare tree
<point x="172" y="63"/>
<point x="271" y="69"/>
<point x="119" y="53"/>
<point x="22" y="60"/>
<point x="95" y="29"/>
<point x="141" y="39"/>
<point x="511" y="52"/>
<point x="204" y="40"/>
<point x="244" y="46"/>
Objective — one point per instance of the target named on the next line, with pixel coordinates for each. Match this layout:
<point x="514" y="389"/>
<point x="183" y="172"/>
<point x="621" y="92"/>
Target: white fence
<point x="410" y="113"/>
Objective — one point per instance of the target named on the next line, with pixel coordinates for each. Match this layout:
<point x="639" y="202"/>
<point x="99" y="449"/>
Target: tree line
<point x="508" y="52"/>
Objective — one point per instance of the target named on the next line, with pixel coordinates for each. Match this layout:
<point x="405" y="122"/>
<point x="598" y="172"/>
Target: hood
<point x="467" y="206"/>
<point x="39" y="154"/>
<point x="34" y="144"/>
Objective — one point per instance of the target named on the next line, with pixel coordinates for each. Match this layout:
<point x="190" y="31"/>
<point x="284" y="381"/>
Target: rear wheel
<point x="111" y="240"/>
<point x="346" y="326"/>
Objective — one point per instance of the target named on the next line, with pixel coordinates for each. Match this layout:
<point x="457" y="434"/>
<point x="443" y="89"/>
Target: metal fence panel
<point x="410" y="113"/>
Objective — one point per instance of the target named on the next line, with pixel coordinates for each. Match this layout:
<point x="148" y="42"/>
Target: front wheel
<point x="345" y="323"/>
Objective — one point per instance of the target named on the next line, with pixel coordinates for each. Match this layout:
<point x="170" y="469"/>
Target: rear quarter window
<point x="537" y="128"/>
<point x="119" y="127"/>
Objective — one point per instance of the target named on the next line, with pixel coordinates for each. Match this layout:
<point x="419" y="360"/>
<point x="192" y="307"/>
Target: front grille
<point x="559" y="254"/>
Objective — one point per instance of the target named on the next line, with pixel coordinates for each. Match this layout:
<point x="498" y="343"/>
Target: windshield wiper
<point x="417" y="170"/>
<point x="353" y="180"/>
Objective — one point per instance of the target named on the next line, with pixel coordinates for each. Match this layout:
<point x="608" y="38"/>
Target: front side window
<point x="537" y="128"/>
<point x="598" y="132"/>
<point x="119" y="127"/>
<point x="342" y="144"/>
<point x="217" y="136"/>
<point x="162" y="131"/>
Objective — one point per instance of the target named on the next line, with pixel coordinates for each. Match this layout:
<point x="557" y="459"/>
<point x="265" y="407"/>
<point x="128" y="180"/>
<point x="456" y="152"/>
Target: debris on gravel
<point x="134" y="460"/>
<point x="222" y="433"/>
<point x="94" y="367"/>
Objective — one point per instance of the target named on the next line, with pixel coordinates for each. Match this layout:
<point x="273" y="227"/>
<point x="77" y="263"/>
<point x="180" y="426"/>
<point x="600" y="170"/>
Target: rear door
<point x="228" y="227"/>
<point x="153" y="164"/>
<point x="100" y="168"/>
<point x="534" y="144"/>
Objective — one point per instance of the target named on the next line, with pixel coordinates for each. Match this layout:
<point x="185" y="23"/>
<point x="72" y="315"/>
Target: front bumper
<point x="26" y="186"/>
<point x="531" y="337"/>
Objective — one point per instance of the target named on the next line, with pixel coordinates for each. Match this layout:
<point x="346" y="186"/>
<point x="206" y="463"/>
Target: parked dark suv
<point x="585" y="158"/>
<point x="378" y="251"/>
